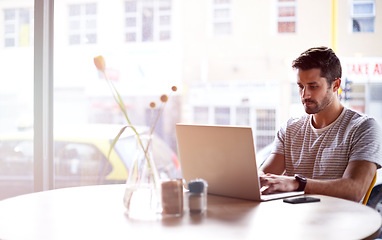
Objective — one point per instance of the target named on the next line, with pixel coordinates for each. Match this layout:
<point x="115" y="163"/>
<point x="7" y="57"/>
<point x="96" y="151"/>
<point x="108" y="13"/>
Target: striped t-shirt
<point x="324" y="153"/>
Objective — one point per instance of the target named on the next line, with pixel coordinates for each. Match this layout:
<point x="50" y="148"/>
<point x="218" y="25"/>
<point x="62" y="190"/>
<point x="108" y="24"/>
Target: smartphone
<point x="301" y="200"/>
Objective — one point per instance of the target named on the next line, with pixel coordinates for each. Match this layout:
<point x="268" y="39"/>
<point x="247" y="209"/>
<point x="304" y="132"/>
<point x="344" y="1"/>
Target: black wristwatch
<point x="301" y="181"/>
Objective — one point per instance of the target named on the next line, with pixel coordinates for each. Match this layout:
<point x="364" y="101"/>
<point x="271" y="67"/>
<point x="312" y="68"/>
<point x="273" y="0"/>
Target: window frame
<point x="17" y="24"/>
<point x="371" y="15"/>
<point x="160" y="32"/>
<point x="82" y="19"/>
<point x="221" y="20"/>
<point x="292" y="3"/>
<point x="43" y="172"/>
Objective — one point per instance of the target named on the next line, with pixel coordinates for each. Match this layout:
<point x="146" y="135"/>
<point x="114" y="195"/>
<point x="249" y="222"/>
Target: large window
<point x="16" y="98"/>
<point x="363" y="15"/>
<point x="150" y="45"/>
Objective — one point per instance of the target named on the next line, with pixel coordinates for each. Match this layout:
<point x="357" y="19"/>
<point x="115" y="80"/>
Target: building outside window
<point x="222" y="115"/>
<point x="222" y="17"/>
<point x="265" y="127"/>
<point x="18" y="27"/>
<point x="363" y="15"/>
<point x="147" y="20"/>
<point x="262" y="120"/>
<point x="83" y="23"/>
<point x="286" y="16"/>
<point x="243" y="116"/>
<point x="200" y="114"/>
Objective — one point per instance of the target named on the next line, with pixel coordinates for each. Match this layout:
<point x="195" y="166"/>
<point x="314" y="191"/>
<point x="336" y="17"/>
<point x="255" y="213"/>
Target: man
<point x="332" y="150"/>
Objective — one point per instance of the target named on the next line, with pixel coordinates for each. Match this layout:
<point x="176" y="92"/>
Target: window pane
<point x="375" y="92"/>
<point x="74" y="10"/>
<point x="131" y="37"/>
<point x="286" y="11"/>
<point x="16" y="98"/>
<point x="164" y="35"/>
<point x="222" y="28"/>
<point x="286" y="27"/>
<point x="165" y="20"/>
<point x="74" y="39"/>
<point x="131" y="6"/>
<point x="9" y="42"/>
<point x="91" y="24"/>
<point x="363" y="25"/>
<point x="243" y="116"/>
<point x="9" y="14"/>
<point x="262" y="141"/>
<point x="201" y="115"/>
<point x="74" y="25"/>
<point x="265" y="119"/>
<point x="87" y="117"/>
<point x="131" y="22"/>
<point x="265" y="127"/>
<point x="147" y="24"/>
<point x="24" y="16"/>
<point x="9" y="28"/>
<point x="164" y="4"/>
<point x="82" y="22"/>
<point x="91" y="38"/>
<point x="91" y="9"/>
<point x="222" y="1"/>
<point x="222" y="115"/>
<point x="363" y="8"/>
<point x="221" y="13"/>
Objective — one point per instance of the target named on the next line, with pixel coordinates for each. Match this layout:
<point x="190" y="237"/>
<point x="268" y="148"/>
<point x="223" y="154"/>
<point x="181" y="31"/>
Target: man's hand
<point x="271" y="183"/>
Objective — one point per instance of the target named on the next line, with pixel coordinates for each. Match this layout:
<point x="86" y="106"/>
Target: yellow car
<point x="80" y="157"/>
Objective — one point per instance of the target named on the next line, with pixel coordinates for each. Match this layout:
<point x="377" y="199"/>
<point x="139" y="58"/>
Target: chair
<point x="367" y="195"/>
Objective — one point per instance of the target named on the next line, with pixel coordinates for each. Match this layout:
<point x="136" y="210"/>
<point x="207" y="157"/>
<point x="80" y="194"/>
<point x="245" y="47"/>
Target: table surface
<point x="97" y="212"/>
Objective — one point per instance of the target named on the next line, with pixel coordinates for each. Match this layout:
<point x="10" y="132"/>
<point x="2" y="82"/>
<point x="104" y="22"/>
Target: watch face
<point x="301" y="178"/>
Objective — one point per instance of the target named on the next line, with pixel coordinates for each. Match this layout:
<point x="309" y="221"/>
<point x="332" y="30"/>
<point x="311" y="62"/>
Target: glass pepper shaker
<point x="197" y="196"/>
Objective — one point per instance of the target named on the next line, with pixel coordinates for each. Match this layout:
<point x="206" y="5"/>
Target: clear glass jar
<point x="172" y="197"/>
<point x="197" y="196"/>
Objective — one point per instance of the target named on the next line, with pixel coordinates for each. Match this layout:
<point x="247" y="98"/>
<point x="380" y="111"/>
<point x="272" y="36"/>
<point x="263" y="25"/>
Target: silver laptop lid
<point x="224" y="156"/>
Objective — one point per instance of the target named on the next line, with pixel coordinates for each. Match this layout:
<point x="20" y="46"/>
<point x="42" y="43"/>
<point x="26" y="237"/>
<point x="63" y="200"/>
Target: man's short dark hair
<point x="323" y="58"/>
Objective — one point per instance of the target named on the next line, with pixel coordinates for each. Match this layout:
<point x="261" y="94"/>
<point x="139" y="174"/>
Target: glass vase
<point x="142" y="197"/>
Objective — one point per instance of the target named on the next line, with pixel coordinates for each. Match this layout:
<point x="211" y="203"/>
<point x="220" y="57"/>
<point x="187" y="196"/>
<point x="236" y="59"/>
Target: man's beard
<point x="317" y="107"/>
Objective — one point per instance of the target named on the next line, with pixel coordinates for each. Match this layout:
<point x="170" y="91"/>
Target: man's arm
<point x="353" y="185"/>
<point x="274" y="164"/>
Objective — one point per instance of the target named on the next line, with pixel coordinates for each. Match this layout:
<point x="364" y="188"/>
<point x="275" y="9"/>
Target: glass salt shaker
<point x="172" y="197"/>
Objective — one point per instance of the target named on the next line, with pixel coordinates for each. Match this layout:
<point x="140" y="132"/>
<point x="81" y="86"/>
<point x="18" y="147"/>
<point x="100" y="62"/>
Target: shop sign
<point x="362" y="69"/>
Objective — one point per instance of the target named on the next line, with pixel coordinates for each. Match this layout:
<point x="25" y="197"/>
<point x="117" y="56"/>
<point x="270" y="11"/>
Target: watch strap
<point x="301" y="181"/>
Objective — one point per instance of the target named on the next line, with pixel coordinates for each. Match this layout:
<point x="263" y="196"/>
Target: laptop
<point x="224" y="156"/>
